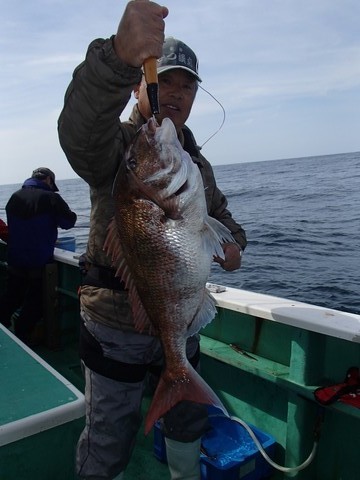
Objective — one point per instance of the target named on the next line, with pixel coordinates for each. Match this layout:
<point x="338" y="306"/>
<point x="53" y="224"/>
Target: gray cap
<point x="176" y="54"/>
<point x="42" y="172"/>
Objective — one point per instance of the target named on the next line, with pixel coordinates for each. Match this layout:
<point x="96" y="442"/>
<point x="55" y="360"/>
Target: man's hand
<point x="140" y="33"/>
<point x="232" y="254"/>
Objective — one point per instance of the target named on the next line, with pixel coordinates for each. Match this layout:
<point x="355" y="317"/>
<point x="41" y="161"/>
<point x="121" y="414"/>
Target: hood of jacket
<point x="36" y="183"/>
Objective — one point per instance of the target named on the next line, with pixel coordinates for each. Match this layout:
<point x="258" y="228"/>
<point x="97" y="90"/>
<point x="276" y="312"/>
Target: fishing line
<point x="223" y="119"/>
<point x="281" y="468"/>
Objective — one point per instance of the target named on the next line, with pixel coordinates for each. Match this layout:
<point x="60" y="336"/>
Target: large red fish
<point x="162" y="242"/>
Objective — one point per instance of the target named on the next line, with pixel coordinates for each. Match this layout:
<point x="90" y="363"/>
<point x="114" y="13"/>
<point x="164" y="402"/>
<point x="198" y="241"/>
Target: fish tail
<point x="167" y="395"/>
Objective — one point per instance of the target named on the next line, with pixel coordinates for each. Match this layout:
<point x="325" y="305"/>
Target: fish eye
<point x="131" y="163"/>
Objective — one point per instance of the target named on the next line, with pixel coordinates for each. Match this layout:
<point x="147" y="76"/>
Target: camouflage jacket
<point x="94" y="141"/>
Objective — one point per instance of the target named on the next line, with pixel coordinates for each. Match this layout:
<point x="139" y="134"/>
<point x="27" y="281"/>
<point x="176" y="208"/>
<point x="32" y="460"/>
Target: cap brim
<point x="174" y="67"/>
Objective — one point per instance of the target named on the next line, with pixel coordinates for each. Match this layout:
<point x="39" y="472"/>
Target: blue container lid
<point x="228" y="442"/>
<point x="66" y="243"/>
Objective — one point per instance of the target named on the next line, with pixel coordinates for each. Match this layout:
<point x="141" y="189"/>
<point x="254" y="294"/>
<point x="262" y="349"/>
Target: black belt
<point x="103" y="277"/>
<point x="92" y="355"/>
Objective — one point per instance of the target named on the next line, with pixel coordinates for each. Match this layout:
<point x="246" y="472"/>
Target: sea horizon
<point x="221" y="164"/>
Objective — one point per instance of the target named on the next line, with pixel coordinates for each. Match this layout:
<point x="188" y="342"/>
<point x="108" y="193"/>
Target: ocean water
<point x="302" y="219"/>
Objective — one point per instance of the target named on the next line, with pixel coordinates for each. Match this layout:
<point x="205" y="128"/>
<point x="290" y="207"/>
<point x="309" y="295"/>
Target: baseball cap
<point x="176" y="54"/>
<point x="42" y="172"/>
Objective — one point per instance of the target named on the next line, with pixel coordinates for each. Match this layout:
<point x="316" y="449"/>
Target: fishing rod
<point x="151" y="78"/>
<point x="152" y="88"/>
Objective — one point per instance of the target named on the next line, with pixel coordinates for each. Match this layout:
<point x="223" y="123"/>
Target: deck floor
<point x="144" y="465"/>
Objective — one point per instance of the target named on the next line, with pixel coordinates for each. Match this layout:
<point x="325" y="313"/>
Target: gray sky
<point x="287" y="73"/>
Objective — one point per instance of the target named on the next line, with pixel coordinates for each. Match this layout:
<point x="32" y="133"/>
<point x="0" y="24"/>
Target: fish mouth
<point x="152" y="125"/>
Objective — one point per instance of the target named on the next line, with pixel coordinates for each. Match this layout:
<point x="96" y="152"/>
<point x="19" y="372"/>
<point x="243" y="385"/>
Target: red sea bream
<point x="162" y="243"/>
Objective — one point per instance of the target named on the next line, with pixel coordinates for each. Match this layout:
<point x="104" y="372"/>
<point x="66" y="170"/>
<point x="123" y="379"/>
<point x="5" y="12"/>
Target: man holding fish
<point x="158" y="220"/>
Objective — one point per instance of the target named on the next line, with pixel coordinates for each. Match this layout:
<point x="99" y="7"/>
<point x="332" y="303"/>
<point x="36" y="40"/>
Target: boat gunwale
<point x="326" y="321"/>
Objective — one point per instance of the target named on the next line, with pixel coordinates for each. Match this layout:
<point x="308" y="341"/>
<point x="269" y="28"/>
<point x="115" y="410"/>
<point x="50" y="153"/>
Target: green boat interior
<point x="264" y="357"/>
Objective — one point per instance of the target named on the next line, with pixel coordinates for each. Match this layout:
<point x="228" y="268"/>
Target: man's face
<point x="177" y="90"/>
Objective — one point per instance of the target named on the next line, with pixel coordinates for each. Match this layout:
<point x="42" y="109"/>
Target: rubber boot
<point x="183" y="459"/>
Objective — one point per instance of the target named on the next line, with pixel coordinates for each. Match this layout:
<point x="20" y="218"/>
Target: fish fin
<point x="215" y="233"/>
<point x="205" y="315"/>
<point x="112" y="247"/>
<point x="140" y="317"/>
<point x="167" y="395"/>
<point x="171" y="207"/>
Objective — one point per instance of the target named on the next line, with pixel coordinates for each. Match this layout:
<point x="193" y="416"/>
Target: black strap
<point x="92" y="355"/>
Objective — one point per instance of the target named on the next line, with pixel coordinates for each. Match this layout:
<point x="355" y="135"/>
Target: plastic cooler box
<point x="228" y="451"/>
<point x="66" y="243"/>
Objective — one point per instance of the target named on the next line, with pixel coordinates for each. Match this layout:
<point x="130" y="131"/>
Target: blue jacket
<point x="34" y="214"/>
